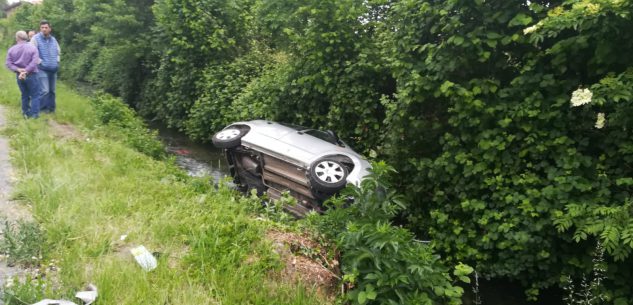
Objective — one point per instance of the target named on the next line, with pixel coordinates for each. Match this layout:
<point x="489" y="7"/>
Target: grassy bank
<point x="86" y="189"/>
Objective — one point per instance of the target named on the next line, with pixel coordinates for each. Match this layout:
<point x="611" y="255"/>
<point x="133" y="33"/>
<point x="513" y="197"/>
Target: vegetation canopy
<point x="508" y="122"/>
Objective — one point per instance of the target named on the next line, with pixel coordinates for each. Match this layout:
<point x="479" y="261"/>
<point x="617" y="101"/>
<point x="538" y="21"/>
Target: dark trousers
<point x="30" y="89"/>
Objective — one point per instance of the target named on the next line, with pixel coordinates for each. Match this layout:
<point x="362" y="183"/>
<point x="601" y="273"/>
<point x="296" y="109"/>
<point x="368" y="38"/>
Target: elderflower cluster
<point x="581" y="97"/>
<point x="530" y="29"/>
<point x="533" y="28"/>
<point x="600" y="119"/>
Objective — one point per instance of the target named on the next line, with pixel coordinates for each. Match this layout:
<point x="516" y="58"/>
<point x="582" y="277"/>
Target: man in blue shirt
<point x="49" y="52"/>
<point x="22" y="59"/>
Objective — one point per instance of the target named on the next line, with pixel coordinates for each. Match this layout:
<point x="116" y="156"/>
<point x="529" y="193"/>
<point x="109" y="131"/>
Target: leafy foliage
<point x="102" y="42"/>
<point x="199" y="35"/>
<point x="498" y="152"/>
<point x="471" y="101"/>
<point x="221" y="87"/>
<point x="129" y="128"/>
<point x="382" y="263"/>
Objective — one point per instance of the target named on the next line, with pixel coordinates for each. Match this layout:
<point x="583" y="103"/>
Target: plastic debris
<point x="54" y="302"/>
<point x="183" y="152"/>
<point x="144" y="258"/>
<point x="123" y="237"/>
<point x="89" y="294"/>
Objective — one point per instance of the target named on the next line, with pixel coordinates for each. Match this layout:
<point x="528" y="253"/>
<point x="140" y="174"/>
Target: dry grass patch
<point x="65" y="131"/>
<point x="306" y="261"/>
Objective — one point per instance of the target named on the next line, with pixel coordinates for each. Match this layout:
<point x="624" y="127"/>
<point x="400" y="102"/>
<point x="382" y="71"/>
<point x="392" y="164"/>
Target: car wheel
<point x="328" y="175"/>
<point x="229" y="137"/>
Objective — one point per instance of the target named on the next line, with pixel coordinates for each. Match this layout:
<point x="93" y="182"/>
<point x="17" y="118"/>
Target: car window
<point x="321" y="135"/>
<point x="325" y="136"/>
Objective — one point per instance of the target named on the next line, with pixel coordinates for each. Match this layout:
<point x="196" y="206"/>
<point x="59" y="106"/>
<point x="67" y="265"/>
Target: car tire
<point x="328" y="175"/>
<point x="229" y="137"/>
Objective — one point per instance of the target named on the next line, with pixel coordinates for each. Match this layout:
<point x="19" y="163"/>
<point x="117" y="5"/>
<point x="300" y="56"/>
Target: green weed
<point x="30" y="291"/>
<point x="124" y="125"/>
<point x="22" y="243"/>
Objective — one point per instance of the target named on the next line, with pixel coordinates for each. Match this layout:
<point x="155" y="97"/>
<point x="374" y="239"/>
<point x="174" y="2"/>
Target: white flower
<point x="530" y="29"/>
<point x="600" y="119"/>
<point x="581" y="97"/>
<point x="533" y="28"/>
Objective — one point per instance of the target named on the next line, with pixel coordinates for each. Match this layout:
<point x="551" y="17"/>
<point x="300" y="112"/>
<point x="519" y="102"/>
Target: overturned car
<point x="272" y="158"/>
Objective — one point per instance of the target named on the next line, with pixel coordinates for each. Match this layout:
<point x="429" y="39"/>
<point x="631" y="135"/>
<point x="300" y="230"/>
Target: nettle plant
<point x="383" y="263"/>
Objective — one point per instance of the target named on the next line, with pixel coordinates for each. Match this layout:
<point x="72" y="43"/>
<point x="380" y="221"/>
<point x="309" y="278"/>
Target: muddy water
<point x="198" y="160"/>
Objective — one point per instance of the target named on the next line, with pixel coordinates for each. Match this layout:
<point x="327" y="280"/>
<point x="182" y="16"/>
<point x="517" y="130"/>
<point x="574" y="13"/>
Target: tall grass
<point x="86" y="190"/>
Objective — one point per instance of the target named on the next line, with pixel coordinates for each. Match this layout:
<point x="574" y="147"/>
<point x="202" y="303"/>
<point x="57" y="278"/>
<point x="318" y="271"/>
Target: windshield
<point x="323" y="135"/>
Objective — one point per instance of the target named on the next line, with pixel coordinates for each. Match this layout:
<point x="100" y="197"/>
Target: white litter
<point x="144" y="258"/>
<point x="89" y="295"/>
<point x="54" y="302"/>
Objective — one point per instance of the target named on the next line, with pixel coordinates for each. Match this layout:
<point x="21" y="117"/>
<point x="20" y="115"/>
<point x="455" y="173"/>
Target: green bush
<point x="383" y="263"/>
<point x="193" y="40"/>
<point x="128" y="127"/>
<point x="333" y="76"/>
<point x="220" y="86"/>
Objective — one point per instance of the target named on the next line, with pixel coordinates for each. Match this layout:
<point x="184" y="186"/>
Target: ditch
<point x="196" y="159"/>
<point x="200" y="160"/>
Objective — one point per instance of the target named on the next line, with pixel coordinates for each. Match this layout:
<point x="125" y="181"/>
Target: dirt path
<point x="9" y="210"/>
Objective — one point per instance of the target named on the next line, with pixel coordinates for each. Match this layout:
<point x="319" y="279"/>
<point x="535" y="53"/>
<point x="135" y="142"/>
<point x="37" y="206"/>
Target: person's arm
<point x="35" y="57"/>
<point x="59" y="52"/>
<point x="10" y="63"/>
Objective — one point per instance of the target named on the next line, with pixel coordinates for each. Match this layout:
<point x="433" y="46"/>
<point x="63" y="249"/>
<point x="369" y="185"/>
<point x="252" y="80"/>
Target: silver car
<point x="270" y="157"/>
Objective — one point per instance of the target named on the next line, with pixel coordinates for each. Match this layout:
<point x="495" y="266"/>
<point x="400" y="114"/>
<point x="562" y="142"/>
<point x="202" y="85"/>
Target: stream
<point x="198" y="160"/>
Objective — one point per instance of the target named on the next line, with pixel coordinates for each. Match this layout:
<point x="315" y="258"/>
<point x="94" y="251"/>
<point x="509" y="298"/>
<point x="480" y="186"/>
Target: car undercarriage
<point x="272" y="176"/>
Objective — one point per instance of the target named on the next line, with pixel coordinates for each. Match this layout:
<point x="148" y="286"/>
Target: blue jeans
<point x="30" y="89"/>
<point x="47" y="82"/>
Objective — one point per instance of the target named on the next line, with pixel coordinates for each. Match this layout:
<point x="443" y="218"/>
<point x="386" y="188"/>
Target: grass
<point x="22" y="242"/>
<point x="88" y="190"/>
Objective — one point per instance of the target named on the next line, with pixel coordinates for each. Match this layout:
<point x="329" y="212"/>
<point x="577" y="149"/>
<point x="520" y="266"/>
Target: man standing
<point x="49" y="52"/>
<point x="22" y="59"/>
